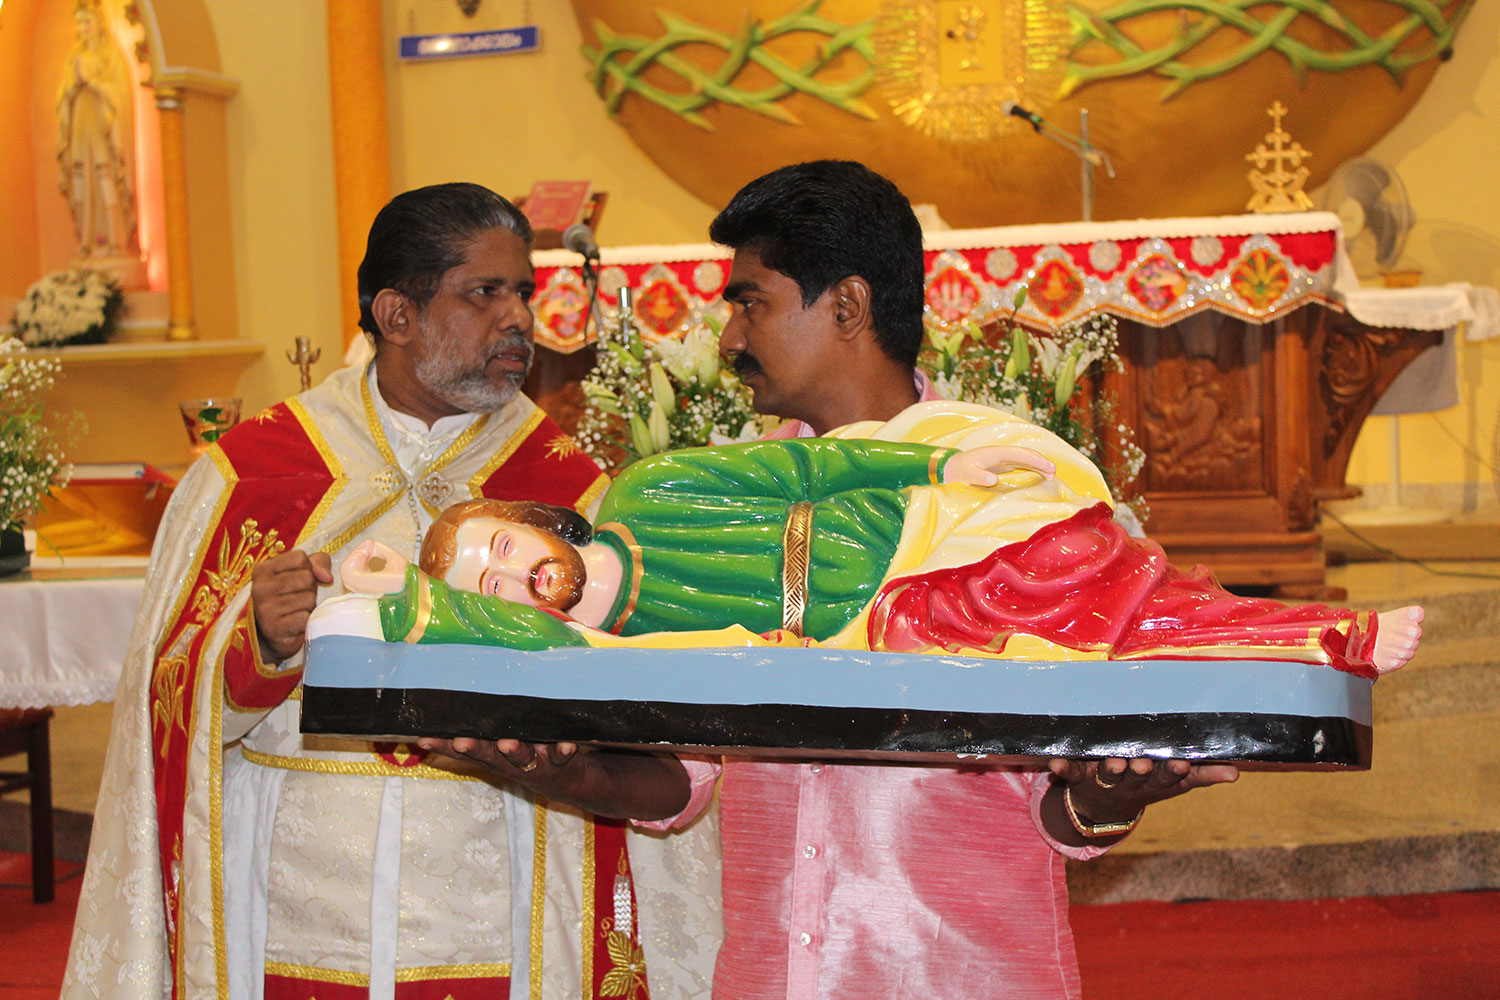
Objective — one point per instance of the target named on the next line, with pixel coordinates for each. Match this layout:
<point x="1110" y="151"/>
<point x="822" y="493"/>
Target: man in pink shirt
<point x="878" y="880"/>
<point x="884" y="880"/>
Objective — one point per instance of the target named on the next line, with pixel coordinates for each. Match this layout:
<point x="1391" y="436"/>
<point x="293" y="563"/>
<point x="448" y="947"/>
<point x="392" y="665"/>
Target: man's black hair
<point x="820" y="222"/>
<point x="423" y="233"/>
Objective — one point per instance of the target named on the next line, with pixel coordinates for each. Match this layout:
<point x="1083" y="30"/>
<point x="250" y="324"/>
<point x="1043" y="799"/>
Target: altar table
<point x="63" y="637"/>
<point x="1251" y="356"/>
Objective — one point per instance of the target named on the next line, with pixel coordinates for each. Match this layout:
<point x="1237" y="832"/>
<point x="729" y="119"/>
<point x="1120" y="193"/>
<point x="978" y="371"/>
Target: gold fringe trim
<point x="586" y="928"/>
<point x="216" y="822"/>
<point x="538" y="895"/>
<point x="594" y="492"/>
<point x="335" y="468"/>
<point x="378" y="768"/>
<point x="314" y="974"/>
<point x="473" y="970"/>
<point x="499" y="458"/>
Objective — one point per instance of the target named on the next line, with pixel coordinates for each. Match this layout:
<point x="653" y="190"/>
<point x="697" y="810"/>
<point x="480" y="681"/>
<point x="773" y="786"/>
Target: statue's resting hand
<point x="984" y="466"/>
<point x="283" y="592"/>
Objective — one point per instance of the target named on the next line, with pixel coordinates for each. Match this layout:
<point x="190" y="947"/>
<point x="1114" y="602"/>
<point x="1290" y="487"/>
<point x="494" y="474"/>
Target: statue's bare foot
<point x="1397" y="637"/>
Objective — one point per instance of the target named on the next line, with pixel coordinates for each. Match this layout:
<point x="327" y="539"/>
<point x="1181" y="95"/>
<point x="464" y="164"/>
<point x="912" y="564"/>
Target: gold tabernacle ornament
<point x="1278" y="189"/>
<point x="304" y="359"/>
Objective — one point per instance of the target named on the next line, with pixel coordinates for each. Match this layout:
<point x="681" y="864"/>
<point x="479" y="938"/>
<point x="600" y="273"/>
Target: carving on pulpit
<point x="1192" y="436"/>
<point x="1351" y="361"/>
<point x="93" y="138"/>
<point x="1301" y="504"/>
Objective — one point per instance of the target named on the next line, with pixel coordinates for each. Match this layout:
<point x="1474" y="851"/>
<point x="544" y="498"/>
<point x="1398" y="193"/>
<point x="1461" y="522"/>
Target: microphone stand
<point x="1089" y="156"/>
<point x="591" y="282"/>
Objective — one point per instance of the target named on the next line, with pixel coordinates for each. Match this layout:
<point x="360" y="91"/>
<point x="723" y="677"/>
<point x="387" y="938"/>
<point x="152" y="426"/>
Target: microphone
<point x="1012" y="108"/>
<point x="579" y="238"/>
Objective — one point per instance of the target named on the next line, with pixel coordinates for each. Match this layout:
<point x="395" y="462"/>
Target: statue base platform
<point x="792" y="702"/>
<point x="128" y="270"/>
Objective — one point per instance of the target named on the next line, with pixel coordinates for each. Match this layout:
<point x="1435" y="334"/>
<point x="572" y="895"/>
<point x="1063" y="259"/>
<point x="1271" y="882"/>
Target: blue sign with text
<point x="505" y="41"/>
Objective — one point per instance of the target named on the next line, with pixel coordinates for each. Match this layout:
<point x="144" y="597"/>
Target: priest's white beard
<point x="466" y="386"/>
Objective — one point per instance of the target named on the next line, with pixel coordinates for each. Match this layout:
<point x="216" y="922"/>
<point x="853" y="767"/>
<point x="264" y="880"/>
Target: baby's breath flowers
<point x="31" y="461"/>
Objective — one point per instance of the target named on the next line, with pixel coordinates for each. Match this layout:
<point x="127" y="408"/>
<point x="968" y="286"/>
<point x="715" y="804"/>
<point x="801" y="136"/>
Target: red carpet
<point x="1366" y="948"/>
<point x="34" y="937"/>
<point x="1369" y="948"/>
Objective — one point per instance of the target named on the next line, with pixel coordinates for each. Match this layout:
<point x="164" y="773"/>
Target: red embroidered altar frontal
<point x="1153" y="271"/>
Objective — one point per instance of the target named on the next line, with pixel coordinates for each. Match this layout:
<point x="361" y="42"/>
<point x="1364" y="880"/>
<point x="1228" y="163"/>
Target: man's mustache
<point x="514" y="345"/>
<point x="745" y="364"/>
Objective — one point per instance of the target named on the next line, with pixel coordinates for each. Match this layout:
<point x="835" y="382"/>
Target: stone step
<point x="1384" y="867"/>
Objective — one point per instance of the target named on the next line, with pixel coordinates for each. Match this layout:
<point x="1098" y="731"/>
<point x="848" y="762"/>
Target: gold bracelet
<point x="1097" y="829"/>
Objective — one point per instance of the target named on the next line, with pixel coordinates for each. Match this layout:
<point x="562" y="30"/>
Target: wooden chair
<point x="24" y="730"/>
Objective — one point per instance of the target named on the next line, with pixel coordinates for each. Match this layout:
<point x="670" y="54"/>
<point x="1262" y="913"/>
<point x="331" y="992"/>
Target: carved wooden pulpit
<point x="1245" y="379"/>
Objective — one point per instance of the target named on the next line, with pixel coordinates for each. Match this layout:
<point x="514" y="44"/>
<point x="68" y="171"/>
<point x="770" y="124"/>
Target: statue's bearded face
<point x="516" y="562"/>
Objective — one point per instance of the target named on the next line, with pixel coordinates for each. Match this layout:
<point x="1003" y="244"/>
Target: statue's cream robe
<point x="298" y="866"/>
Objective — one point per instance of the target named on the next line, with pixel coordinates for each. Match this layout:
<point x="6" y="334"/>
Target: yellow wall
<point x="1446" y="152"/>
<point x="506" y="121"/>
<point x="17" y="171"/>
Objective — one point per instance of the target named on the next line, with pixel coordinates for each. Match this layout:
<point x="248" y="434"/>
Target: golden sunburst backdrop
<point x="1175" y="91"/>
<point x="949" y="69"/>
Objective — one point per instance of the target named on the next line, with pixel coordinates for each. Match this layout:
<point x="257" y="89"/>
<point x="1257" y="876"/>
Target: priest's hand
<point x="615" y="783"/>
<point x="283" y="592"/>
<point x="1115" y="791"/>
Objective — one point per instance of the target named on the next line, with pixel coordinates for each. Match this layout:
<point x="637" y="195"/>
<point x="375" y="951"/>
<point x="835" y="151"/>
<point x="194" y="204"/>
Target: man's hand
<point x="984" y="466"/>
<point x="283" y="592"/>
<point x="612" y="783"/>
<point x="1115" y="790"/>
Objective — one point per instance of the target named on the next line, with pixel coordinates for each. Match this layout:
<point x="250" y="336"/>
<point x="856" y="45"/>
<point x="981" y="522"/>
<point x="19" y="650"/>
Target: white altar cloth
<point x="63" y="639"/>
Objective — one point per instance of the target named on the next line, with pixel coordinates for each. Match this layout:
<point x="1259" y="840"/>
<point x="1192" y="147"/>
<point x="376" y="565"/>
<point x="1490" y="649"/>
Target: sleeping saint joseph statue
<point x="953" y="529"/>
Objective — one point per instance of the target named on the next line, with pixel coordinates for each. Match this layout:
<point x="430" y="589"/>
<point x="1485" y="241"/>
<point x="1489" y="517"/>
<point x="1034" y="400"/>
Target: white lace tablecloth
<point x="62" y="641"/>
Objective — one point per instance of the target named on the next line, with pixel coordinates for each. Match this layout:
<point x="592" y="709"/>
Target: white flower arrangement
<point x="1042" y="379"/>
<point x="673" y="394"/>
<point x="31" y="463"/>
<point x="72" y="306"/>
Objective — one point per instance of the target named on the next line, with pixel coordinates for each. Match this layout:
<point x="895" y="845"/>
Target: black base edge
<point x="1269" y="741"/>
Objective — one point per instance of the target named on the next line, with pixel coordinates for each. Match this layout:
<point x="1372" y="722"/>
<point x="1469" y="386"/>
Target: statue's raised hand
<point x="373" y="568"/>
<point x="984" y="466"/>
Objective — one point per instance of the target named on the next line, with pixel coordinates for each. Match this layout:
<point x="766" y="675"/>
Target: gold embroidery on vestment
<point x="562" y="446"/>
<point x="231" y="572"/>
